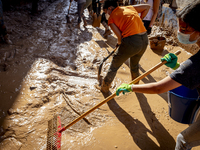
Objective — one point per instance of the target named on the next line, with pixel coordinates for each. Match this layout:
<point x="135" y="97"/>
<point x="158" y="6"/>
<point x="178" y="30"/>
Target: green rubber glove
<point x="124" y="87"/>
<point x="171" y="61"/>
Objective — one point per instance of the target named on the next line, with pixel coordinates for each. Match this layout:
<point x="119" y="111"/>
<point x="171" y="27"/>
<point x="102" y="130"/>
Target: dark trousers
<point x="132" y="47"/>
<point x="96" y="6"/>
<point x="81" y="7"/>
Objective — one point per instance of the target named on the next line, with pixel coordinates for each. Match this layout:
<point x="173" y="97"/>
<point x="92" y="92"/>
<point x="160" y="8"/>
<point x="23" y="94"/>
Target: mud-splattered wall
<point x="181" y="3"/>
<point x="170" y="22"/>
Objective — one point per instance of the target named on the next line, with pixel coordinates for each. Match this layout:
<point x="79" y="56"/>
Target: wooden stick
<point x="65" y="97"/>
<point x="113" y="95"/>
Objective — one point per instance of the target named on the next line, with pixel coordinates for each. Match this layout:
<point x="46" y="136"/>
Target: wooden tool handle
<point x="151" y="70"/>
<point x="113" y="95"/>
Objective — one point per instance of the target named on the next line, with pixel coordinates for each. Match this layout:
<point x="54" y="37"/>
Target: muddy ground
<point x="51" y="69"/>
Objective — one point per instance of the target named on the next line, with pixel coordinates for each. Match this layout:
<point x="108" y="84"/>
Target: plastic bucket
<point x="183" y="104"/>
<point x="157" y="43"/>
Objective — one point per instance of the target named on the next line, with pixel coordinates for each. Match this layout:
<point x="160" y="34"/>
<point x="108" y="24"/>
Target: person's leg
<point x="98" y="8"/>
<point x="140" y="44"/>
<point x="82" y="14"/>
<point x="189" y="138"/>
<point x="94" y="6"/>
<point x="130" y="46"/>
<point x="104" y="22"/>
<point x="87" y="4"/>
<point x="118" y="59"/>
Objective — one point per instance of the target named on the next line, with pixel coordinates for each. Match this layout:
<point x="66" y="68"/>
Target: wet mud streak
<point x="68" y="103"/>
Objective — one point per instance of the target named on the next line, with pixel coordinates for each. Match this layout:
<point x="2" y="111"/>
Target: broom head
<point x="53" y="136"/>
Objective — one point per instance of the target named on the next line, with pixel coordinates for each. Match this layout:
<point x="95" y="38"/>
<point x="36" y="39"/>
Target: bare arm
<point x="117" y="32"/>
<point x="156" y="4"/>
<point x="162" y="86"/>
<point x="143" y="9"/>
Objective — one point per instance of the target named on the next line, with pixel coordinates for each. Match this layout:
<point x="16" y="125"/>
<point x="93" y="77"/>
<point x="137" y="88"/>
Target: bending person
<point x="132" y="38"/>
<point x="188" y="74"/>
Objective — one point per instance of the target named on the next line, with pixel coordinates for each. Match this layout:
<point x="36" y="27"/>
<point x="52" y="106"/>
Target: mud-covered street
<point x="51" y="69"/>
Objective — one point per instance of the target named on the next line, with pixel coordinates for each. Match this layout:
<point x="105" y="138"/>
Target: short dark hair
<point x="190" y="14"/>
<point x="109" y="3"/>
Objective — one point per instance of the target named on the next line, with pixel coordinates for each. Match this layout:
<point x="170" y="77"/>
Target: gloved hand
<point x="171" y="61"/>
<point x="124" y="87"/>
<point x="149" y="30"/>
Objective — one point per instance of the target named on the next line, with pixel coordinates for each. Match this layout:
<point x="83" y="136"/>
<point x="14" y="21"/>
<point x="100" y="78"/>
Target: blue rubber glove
<point x="124" y="87"/>
<point x="171" y="61"/>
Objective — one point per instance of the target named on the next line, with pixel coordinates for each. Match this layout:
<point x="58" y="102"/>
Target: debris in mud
<point x="32" y="88"/>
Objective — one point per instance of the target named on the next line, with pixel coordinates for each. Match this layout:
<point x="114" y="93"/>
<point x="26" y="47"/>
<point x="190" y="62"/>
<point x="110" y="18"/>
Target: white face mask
<point x="185" y="38"/>
<point x="107" y="16"/>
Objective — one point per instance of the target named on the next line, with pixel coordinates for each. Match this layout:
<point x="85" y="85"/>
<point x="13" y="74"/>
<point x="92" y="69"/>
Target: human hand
<point x="124" y="88"/>
<point x="149" y="30"/>
<point x="171" y="61"/>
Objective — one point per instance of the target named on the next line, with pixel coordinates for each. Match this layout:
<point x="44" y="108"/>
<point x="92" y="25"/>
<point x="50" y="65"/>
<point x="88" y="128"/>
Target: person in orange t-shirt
<point x="132" y="38"/>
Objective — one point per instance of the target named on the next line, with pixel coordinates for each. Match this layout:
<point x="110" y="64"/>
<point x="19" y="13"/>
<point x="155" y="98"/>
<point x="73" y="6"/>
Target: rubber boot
<point x="105" y="87"/>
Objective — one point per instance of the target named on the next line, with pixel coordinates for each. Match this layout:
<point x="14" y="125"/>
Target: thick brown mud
<point x="51" y="69"/>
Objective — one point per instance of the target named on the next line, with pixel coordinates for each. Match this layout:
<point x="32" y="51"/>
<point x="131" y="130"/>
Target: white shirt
<point x="150" y="12"/>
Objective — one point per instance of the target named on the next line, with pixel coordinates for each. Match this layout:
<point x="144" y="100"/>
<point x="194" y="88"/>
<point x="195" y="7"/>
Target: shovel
<point x="101" y="64"/>
<point x="54" y="125"/>
<point x="67" y="17"/>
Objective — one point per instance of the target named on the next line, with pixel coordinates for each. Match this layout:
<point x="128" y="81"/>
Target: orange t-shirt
<point x="128" y="21"/>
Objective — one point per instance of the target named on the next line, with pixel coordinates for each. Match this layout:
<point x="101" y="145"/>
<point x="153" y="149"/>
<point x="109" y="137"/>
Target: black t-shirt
<point x="188" y="74"/>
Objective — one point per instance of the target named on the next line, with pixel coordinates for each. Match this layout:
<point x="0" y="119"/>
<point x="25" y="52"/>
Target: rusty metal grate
<point x="53" y="136"/>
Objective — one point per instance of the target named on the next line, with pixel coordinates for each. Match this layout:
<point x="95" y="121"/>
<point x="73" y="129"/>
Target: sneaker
<point x="7" y="40"/>
<point x="107" y="32"/>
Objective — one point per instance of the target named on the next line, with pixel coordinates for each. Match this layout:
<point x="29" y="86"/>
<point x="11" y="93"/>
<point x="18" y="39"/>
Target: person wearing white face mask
<point x="188" y="74"/>
<point x="185" y="38"/>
